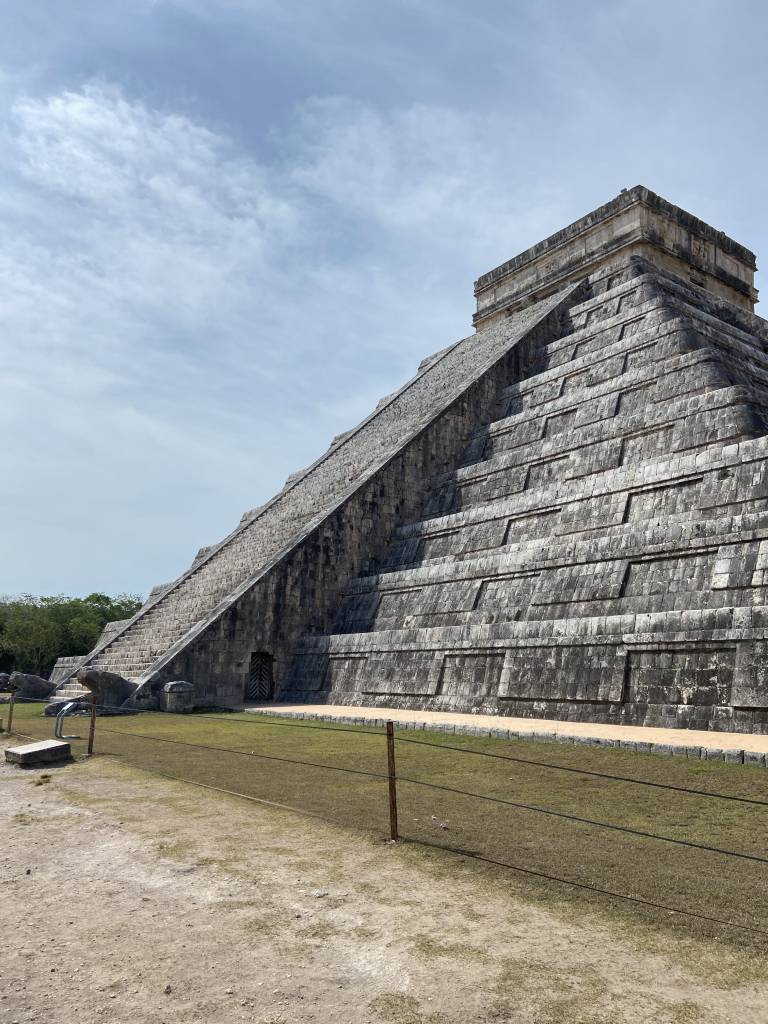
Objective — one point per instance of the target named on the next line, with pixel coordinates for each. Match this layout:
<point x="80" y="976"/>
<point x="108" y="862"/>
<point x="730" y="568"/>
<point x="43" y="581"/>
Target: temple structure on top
<point x="563" y="515"/>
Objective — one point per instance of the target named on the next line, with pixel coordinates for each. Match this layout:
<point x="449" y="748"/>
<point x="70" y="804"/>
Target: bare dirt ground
<point x="128" y="897"/>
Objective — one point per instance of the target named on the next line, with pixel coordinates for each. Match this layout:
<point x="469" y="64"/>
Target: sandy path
<point x="116" y="884"/>
<point x="530" y="726"/>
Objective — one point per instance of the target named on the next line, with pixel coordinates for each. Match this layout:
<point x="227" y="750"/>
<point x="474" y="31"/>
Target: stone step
<point x="665" y="535"/>
<point x="728" y="623"/>
<point x="646" y="312"/>
<point x="125" y="669"/>
<point x="43" y="752"/>
<point x="646" y="573"/>
<point x="738" y="458"/>
<point x="128" y="642"/>
<point x="503" y="477"/>
<point x="602" y="367"/>
<point x="516" y="604"/>
<point x="646" y="658"/>
<point x="536" y="436"/>
<point x="676" y="378"/>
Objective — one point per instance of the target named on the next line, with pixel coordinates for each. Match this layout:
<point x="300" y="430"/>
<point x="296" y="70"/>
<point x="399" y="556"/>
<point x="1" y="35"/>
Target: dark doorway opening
<point x="260" y="685"/>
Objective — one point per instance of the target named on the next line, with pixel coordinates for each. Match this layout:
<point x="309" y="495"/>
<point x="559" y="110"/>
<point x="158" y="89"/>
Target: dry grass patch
<point x="400" y="1008"/>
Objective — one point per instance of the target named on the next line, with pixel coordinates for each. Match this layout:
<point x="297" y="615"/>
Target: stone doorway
<point x="260" y="685"/>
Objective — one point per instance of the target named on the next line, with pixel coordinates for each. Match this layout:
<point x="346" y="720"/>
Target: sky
<point x="228" y="227"/>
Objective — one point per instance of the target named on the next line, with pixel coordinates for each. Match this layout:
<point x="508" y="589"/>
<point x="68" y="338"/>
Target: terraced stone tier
<point x="601" y="549"/>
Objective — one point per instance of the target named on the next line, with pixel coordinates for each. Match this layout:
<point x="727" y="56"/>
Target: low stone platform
<point x="43" y="752"/>
<point x="736" y="748"/>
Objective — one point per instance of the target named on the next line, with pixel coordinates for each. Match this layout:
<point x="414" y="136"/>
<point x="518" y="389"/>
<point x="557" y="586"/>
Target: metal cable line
<point x="582" y="771"/>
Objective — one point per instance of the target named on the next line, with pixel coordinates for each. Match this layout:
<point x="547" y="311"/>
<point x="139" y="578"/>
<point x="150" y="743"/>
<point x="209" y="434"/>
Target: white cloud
<point x="153" y="209"/>
<point x="419" y="169"/>
<point x="186" y="324"/>
<point x="136" y="246"/>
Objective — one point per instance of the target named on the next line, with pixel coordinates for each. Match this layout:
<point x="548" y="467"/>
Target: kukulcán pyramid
<point x="564" y="515"/>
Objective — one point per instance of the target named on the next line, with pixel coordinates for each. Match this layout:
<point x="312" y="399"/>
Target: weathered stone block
<point x="178" y="697"/>
<point x="43" y="752"/>
<point x="755" y="758"/>
<point x="30" y="686"/>
<point x="108" y="688"/>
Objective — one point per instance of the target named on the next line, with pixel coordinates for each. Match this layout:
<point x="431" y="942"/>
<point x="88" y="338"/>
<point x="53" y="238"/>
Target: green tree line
<point x="35" y="631"/>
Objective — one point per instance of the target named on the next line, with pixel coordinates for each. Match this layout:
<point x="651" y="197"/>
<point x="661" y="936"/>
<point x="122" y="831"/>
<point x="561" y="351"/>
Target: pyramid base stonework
<point x="563" y="516"/>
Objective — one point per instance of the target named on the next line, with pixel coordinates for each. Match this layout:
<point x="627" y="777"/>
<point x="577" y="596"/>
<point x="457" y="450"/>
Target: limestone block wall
<point x="599" y="550"/>
<point x="636" y="223"/>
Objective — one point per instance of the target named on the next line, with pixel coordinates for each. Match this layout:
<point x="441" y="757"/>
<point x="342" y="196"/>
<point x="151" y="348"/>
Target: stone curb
<point x="729" y="755"/>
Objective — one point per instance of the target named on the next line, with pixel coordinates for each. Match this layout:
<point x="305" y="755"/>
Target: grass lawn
<point x="648" y="869"/>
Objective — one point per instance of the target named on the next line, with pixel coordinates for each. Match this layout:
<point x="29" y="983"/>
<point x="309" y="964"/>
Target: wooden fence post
<point x="11" y="702"/>
<point x="392" y="781"/>
<point x="92" y="724"/>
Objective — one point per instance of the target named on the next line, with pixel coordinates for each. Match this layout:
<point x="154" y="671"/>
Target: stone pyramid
<point x="564" y="515"/>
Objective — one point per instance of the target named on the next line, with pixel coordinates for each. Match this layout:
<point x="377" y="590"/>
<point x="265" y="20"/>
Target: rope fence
<point x="474" y="821"/>
<point x="258" y="720"/>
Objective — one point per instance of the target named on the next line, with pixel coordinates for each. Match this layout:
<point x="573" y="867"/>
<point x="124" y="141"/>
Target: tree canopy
<point x="35" y="631"/>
